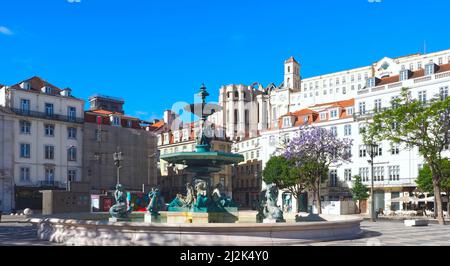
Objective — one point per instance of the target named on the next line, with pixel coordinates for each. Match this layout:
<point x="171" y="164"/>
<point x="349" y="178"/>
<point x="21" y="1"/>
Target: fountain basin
<point x="103" y="233"/>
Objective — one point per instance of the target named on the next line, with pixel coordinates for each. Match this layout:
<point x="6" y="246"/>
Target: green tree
<point x="285" y="175"/>
<point x="359" y="191"/>
<point x="425" y="179"/>
<point x="417" y="124"/>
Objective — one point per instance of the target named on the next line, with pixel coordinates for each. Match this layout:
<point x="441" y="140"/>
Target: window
<point x="395" y="149"/>
<point x="24" y="174"/>
<point x="334" y="113"/>
<point x="344" y="90"/>
<point x="411" y="67"/>
<point x="333" y="178"/>
<point x="333" y="131"/>
<point x="362" y="151"/>
<point x="48" y="90"/>
<point x="379" y="150"/>
<point x="423" y="96"/>
<point x="286" y="122"/>
<point x="72" y="113"/>
<point x="443" y="93"/>
<point x="115" y="121"/>
<point x="25" y="106"/>
<point x="440" y="61"/>
<point x="305" y="119"/>
<point x="404" y="74"/>
<point x="71" y="133"/>
<point x="49" y="174"/>
<point x="349" y="110"/>
<point x="429" y="69"/>
<point x="371" y="82"/>
<point x="49" y="109"/>
<point x="378" y="173"/>
<point x="129" y="123"/>
<point x="394" y="173"/>
<point x="185" y="134"/>
<point x="49" y="152"/>
<point x="324" y="92"/>
<point x="72" y="154"/>
<point x="419" y="65"/>
<point x="25" y="150"/>
<point x="72" y="175"/>
<point x="377" y="105"/>
<point x="362" y="108"/>
<point x="364" y="174"/>
<point x="359" y="77"/>
<point x="393" y="101"/>
<point x="347" y="130"/>
<point x="49" y="130"/>
<point x="25" y="127"/>
<point x="362" y="128"/>
<point x="348" y="174"/>
<point x="323" y="116"/>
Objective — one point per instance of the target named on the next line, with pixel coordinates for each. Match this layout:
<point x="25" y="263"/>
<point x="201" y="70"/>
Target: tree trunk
<point x="318" y="202"/>
<point x="438" y="202"/>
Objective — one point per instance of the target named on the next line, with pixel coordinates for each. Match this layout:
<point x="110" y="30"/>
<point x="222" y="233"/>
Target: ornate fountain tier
<point x="202" y="163"/>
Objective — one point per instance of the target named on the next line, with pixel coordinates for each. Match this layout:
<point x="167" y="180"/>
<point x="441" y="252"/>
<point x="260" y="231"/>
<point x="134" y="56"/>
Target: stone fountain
<point x="199" y="205"/>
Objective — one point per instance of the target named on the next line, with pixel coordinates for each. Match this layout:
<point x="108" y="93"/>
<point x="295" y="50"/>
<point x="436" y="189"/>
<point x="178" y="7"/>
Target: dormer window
<point x="323" y="116"/>
<point x="430" y="69"/>
<point x="115" y="120"/>
<point x="305" y="119"/>
<point x="371" y="82"/>
<point x="176" y="136"/>
<point x="185" y="134"/>
<point x="129" y="123"/>
<point x="334" y="114"/>
<point x="349" y="110"/>
<point x="47" y="90"/>
<point x="287" y="121"/>
<point x="404" y="74"/>
<point x="25" y="86"/>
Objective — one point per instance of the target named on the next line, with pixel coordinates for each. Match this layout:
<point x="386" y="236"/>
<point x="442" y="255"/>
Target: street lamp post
<point x="118" y="158"/>
<point x="67" y="174"/>
<point x="372" y="149"/>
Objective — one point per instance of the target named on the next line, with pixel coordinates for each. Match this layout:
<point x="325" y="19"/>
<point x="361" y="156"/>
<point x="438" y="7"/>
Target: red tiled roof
<point x="291" y="59"/>
<point x="415" y="74"/>
<point x="37" y="83"/>
<point x="345" y="103"/>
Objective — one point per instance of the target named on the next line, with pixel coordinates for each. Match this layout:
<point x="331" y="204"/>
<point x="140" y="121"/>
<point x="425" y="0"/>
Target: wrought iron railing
<point x="44" y="115"/>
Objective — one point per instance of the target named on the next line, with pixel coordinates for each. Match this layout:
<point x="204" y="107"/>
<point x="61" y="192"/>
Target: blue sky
<point x="156" y="53"/>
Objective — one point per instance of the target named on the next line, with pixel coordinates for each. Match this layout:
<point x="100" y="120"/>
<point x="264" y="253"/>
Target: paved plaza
<point x="381" y="233"/>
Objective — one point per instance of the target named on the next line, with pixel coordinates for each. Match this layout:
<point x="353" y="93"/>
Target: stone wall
<point x="138" y="148"/>
<point x="54" y="202"/>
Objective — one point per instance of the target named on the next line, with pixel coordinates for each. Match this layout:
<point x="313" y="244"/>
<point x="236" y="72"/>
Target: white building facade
<point x="47" y="142"/>
<point x="343" y="102"/>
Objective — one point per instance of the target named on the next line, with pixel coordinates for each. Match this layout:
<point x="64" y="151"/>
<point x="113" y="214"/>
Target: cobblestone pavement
<point x="381" y="233"/>
<point x="395" y="233"/>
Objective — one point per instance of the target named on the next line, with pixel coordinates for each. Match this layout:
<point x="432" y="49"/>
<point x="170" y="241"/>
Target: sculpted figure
<point x="271" y="209"/>
<point x="202" y="198"/>
<point x="155" y="204"/>
<point x="121" y="208"/>
<point x="184" y="201"/>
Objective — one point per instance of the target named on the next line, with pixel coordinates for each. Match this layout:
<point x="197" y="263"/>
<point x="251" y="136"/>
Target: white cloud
<point x="74" y="1"/>
<point x="5" y="30"/>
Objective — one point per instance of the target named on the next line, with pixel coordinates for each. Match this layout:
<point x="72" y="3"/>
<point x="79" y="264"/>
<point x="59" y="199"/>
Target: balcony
<point x="56" y="117"/>
<point x="51" y="184"/>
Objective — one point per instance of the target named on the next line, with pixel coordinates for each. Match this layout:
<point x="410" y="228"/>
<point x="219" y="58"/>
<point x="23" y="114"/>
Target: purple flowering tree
<point x="314" y="151"/>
